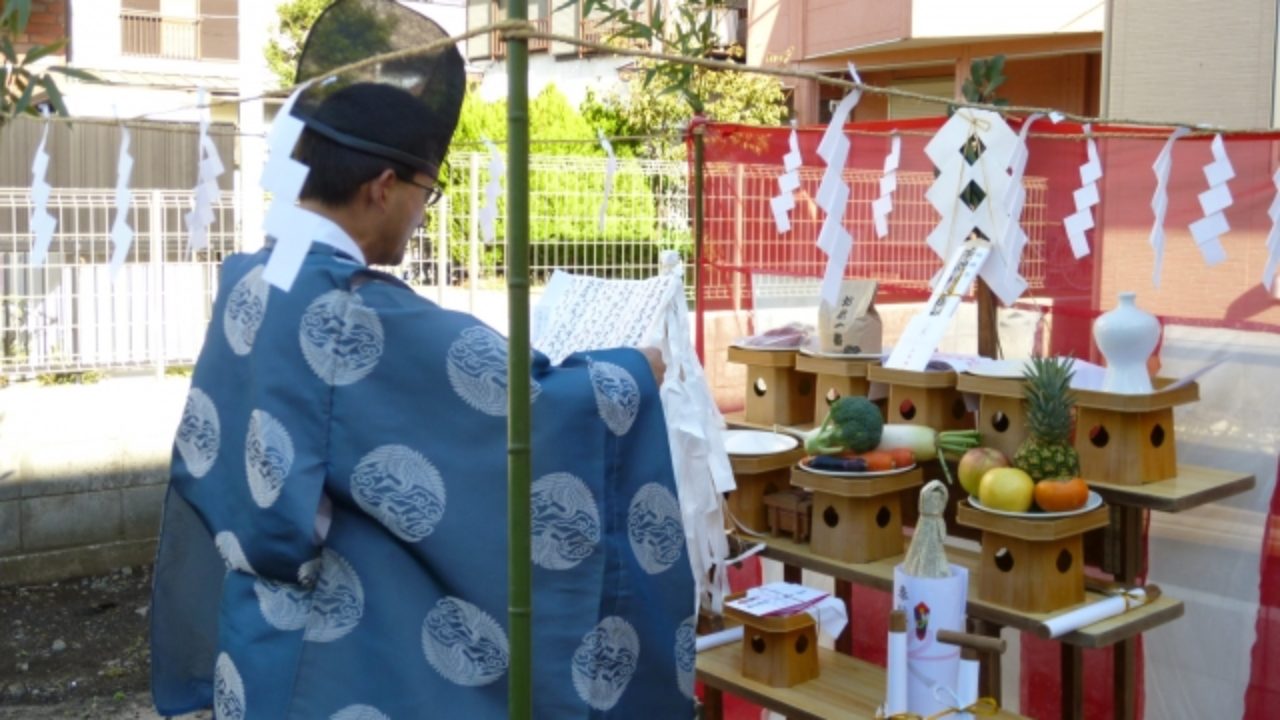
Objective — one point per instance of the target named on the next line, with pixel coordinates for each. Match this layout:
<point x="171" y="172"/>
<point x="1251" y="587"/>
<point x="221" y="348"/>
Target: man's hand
<point x="654" y="356"/>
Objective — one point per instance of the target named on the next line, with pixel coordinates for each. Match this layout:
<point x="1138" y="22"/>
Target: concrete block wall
<point x="83" y="471"/>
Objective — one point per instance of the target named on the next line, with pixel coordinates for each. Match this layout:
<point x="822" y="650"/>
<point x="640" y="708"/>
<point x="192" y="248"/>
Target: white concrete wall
<point x="571" y="77"/>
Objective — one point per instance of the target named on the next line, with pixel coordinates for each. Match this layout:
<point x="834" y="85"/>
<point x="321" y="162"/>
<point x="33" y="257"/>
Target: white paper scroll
<point x="883" y="205"/>
<point x="610" y="169"/>
<point x="41" y="221"/>
<point x="492" y="191"/>
<point x="209" y="167"/>
<point x="788" y="182"/>
<point x="1160" y="200"/>
<point x="1273" y="238"/>
<point x="896" y="673"/>
<point x="833" y="195"/>
<point x="1095" y="612"/>
<point x="1208" y="230"/>
<point x="283" y="177"/>
<point x="121" y="232"/>
<point x="925" y="331"/>
<point x="1081" y="221"/>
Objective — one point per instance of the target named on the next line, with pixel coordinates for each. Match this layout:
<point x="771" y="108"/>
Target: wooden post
<point x="988" y="323"/>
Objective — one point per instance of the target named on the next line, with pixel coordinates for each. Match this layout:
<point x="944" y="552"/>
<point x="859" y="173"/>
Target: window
<point x="180" y="29"/>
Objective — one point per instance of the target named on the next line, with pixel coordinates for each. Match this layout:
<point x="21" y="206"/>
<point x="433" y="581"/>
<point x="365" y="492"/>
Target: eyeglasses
<point x="434" y="191"/>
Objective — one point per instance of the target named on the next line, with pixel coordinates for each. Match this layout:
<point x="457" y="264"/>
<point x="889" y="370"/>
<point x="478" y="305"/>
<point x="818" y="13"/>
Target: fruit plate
<point x="804" y="465"/>
<point x="1093" y="503"/>
<point x="758" y="442"/>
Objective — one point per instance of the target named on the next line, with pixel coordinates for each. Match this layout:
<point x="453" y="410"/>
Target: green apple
<point x="975" y="463"/>
<point x="1008" y="489"/>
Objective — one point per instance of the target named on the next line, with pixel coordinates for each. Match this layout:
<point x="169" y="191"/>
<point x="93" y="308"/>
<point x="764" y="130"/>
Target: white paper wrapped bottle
<point x="1126" y="336"/>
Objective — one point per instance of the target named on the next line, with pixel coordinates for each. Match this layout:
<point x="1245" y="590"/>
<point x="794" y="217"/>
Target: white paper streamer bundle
<point x="206" y="190"/>
<point x="283" y="177"/>
<point x="1208" y="230"/>
<point x="883" y="205"/>
<point x="833" y="196"/>
<point x="1012" y="285"/>
<point x="121" y="232"/>
<point x="788" y="182"/>
<point x="492" y="190"/>
<point x="41" y="222"/>
<point x="1081" y="221"/>
<point x="610" y="169"/>
<point x="1160" y="200"/>
<point x="1273" y="238"/>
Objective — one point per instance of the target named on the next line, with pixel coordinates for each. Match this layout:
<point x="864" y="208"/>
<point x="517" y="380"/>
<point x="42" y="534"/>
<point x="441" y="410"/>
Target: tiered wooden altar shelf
<point x="1192" y="487"/>
<point x="879" y="575"/>
<point x="847" y="687"/>
<point x="923" y="398"/>
<point x="835" y="378"/>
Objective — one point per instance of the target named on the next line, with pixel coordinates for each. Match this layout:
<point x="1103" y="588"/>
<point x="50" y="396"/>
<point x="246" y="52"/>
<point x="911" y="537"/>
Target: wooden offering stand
<point x="790" y="512"/>
<point x="777" y="651"/>
<point x="757" y="477"/>
<point x="1002" y="418"/>
<point x="1128" y="439"/>
<point x="1032" y="565"/>
<point x="923" y="398"/>
<point x="776" y="392"/>
<point x="857" y="519"/>
<point x="835" y="378"/>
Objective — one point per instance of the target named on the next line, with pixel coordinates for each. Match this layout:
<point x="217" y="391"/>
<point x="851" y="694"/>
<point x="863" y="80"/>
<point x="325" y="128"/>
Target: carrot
<point x="902" y="457"/>
<point x="879" y="460"/>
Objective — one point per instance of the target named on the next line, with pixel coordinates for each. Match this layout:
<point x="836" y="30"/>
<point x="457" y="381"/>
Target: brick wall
<point x="48" y="23"/>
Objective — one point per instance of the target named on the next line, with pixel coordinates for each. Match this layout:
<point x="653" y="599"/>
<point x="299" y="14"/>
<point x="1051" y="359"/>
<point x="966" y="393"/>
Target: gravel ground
<point x="77" y="649"/>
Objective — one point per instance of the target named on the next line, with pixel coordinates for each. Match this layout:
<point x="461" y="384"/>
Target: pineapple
<point x="1047" y="451"/>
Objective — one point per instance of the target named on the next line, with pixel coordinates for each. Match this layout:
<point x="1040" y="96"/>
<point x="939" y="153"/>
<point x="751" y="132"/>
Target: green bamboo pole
<point x="519" y="470"/>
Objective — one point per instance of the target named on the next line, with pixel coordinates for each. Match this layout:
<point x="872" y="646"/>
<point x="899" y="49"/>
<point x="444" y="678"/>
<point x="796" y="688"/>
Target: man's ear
<point x="379" y="188"/>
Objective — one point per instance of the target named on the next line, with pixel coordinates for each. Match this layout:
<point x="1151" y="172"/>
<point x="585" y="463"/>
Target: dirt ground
<point x="77" y="649"/>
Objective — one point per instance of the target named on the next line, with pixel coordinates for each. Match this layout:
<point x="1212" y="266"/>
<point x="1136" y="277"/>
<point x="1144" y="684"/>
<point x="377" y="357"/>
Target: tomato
<point x="1061" y="494"/>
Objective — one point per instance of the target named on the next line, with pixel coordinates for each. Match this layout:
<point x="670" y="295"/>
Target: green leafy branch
<point x="985" y="76"/>
<point x="19" y="79"/>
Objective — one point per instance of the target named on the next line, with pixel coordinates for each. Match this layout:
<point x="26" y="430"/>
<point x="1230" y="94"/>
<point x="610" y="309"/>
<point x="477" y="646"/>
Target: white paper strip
<point x="924" y="331"/>
<point x="1209" y="230"/>
<point x="833" y="195"/>
<point x="492" y="191"/>
<point x="1081" y="221"/>
<point x="610" y="169"/>
<point x="895" y="701"/>
<point x="883" y="205"/>
<point x="41" y="222"/>
<point x="788" y="182"/>
<point x="208" y="168"/>
<point x="1006" y="281"/>
<point x="1160" y="200"/>
<point x="967" y="686"/>
<point x="283" y="177"/>
<point x="1094" y="612"/>
<point x="121" y="232"/>
<point x="1273" y="238"/>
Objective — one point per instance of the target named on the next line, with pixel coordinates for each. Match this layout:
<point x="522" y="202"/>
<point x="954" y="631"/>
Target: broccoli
<point x="853" y="424"/>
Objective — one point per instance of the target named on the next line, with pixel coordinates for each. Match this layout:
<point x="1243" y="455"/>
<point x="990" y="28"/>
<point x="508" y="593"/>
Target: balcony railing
<point x="535" y="44"/>
<point x="151" y="35"/>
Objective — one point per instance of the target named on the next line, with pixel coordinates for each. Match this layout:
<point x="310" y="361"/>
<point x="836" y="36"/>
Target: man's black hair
<point x="376" y="112"/>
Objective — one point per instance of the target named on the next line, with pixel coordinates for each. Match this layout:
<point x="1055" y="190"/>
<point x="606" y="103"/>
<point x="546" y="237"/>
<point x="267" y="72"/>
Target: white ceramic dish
<point x="1093" y="503"/>
<point x="758" y="442"/>
<point x="844" y="474"/>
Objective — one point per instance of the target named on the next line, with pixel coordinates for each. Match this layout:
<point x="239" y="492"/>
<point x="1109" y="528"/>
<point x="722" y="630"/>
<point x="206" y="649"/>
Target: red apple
<point x="975" y="463"/>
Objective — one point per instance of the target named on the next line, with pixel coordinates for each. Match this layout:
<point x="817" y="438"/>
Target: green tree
<point x="18" y="78"/>
<point x="294" y="20"/>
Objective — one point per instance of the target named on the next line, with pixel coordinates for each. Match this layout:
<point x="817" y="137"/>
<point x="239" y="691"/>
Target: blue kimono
<point x="334" y="540"/>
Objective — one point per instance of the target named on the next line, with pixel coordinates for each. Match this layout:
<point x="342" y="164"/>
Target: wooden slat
<point x="763" y="358"/>
<point x="1028" y="529"/>
<point x="910" y="378"/>
<point x="879" y="575"/>
<point x="1158" y="400"/>
<point x="1193" y="486"/>
<point x="845" y="687"/>
<point x="833" y="366"/>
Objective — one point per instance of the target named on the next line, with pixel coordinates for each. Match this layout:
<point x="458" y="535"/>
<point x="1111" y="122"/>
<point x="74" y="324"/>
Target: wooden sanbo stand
<point x="857" y="520"/>
<point x="776" y="392"/>
<point x="777" y="651"/>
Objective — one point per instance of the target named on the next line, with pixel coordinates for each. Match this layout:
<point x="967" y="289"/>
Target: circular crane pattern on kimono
<point x="477" y="370"/>
<point x="284" y="606"/>
<point x="268" y="456"/>
<point x="359" y="712"/>
<point x="617" y="395"/>
<point x="199" y="433"/>
<point x="464" y="643"/>
<point x="246" y="307"/>
<point x="341" y="338"/>
<point x="228" y="690"/>
<point x="401" y="489"/>
<point x="686" y="655"/>
<point x="565" y="520"/>
<point x="232" y="554"/>
<point x="605" y="662"/>
<point x="653" y="525"/>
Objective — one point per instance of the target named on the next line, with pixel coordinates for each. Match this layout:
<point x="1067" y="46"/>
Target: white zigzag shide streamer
<point x="883" y="205"/>
<point x="206" y="191"/>
<point x="610" y="169"/>
<point x="283" y="177"/>
<point x="41" y="222"/>
<point x="1160" y="200"/>
<point x="1209" y="230"/>
<point x="1081" y="221"/>
<point x="121" y="231"/>
<point x="788" y="182"/>
<point x="492" y="190"/>
<point x="1273" y="238"/>
<point x="833" y="195"/>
